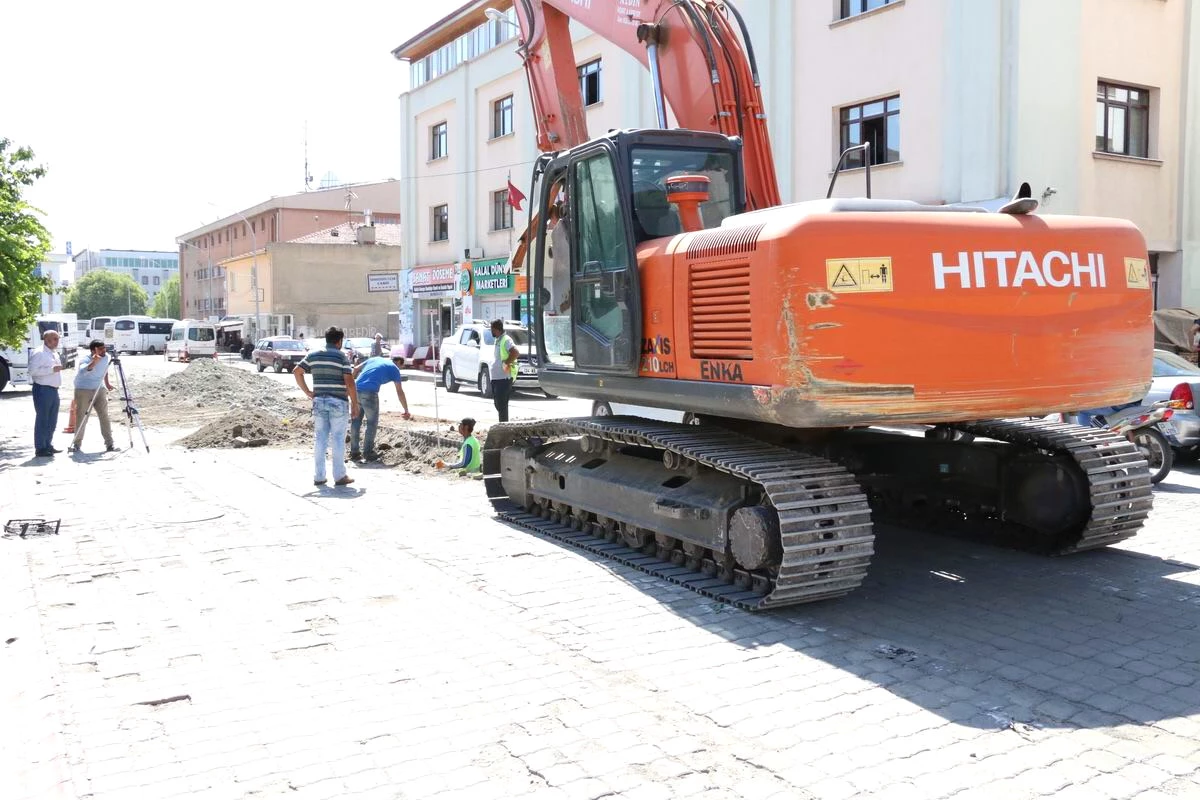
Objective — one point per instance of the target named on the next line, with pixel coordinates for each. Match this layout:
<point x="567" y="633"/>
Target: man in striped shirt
<point x="335" y="401"/>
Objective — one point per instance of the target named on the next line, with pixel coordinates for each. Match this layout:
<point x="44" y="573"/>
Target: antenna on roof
<point x="307" y="177"/>
<point x="350" y="198"/>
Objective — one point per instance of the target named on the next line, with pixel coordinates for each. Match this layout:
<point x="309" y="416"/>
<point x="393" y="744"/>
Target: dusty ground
<point x="238" y="409"/>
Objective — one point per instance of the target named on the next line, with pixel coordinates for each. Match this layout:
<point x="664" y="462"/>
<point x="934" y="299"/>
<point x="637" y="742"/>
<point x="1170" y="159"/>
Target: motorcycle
<point x="1148" y="427"/>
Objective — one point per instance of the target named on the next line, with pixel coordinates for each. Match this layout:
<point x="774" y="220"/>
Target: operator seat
<point x="653" y="216"/>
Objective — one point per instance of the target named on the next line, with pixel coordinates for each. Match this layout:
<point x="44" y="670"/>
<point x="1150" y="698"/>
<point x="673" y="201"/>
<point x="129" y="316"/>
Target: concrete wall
<point x="326" y="284"/>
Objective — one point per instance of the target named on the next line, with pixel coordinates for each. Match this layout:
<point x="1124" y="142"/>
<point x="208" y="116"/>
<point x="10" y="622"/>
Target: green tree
<point x="105" y="294"/>
<point x="24" y="243"/>
<point x="166" y="302"/>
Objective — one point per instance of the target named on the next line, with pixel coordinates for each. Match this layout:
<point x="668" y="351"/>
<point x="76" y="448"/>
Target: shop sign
<point x="492" y="276"/>
<point x="464" y="280"/>
<point x="433" y="280"/>
<point x="383" y="282"/>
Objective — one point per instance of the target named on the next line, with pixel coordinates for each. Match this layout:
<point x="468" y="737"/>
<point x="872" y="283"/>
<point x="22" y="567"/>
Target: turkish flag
<point x="515" y="198"/>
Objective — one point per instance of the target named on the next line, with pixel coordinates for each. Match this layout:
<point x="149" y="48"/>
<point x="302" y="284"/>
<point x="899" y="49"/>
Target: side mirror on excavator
<point x="1022" y="203"/>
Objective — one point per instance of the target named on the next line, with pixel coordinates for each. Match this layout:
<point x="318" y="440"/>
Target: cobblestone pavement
<point x="208" y="624"/>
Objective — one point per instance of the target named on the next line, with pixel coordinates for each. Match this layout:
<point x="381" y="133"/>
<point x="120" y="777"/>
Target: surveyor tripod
<point x="129" y="407"/>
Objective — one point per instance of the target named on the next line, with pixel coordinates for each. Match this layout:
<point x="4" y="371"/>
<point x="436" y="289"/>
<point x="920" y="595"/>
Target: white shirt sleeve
<point x="42" y="364"/>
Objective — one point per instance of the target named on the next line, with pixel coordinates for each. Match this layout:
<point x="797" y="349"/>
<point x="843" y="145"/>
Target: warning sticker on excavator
<point x="1137" y="274"/>
<point x="859" y="274"/>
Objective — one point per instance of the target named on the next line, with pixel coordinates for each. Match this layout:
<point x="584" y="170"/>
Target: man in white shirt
<point x="45" y="369"/>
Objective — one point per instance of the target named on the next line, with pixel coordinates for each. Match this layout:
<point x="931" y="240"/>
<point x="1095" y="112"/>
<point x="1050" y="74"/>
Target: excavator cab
<point x="597" y="205"/>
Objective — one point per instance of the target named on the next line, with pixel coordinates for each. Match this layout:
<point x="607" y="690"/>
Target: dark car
<point x="278" y="352"/>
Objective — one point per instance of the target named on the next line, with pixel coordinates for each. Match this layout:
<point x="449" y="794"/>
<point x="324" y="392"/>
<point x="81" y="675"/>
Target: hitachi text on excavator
<point x="848" y="360"/>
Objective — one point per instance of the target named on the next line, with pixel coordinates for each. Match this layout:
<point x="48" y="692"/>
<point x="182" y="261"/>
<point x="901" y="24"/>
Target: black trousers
<point x="501" y="389"/>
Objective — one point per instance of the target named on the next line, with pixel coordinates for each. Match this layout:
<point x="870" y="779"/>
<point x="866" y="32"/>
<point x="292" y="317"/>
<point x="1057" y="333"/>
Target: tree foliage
<point x="166" y="302"/>
<point x="24" y="243"/>
<point x="105" y="294"/>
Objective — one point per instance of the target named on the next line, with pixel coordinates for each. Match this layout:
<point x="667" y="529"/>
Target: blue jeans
<point x="45" y="406"/>
<point x="368" y="409"/>
<point x="331" y="415"/>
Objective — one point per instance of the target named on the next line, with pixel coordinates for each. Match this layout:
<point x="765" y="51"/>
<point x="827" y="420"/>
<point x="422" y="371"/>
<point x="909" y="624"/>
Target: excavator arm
<point x="701" y="62"/>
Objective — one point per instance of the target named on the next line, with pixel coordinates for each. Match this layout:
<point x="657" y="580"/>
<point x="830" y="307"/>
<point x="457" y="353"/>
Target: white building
<point x="963" y="101"/>
<point x="59" y="269"/>
<point x="150" y="269"/>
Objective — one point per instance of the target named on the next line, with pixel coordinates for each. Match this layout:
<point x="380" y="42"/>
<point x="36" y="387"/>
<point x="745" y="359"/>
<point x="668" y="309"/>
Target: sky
<point x="153" y="119"/>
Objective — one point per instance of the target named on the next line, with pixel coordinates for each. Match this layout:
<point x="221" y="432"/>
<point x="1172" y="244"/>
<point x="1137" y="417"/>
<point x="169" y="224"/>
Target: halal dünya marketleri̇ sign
<point x="491" y="276"/>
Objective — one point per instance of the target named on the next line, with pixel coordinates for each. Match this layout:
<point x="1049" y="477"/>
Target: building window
<point x="1122" y="120"/>
<point x="156" y="280"/>
<point x="501" y="211"/>
<point x="852" y="8"/>
<point x="589" y="82"/>
<point x="145" y="280"/>
<point x="437" y="141"/>
<point x="441" y="223"/>
<point x="877" y="122"/>
<point x="502" y="120"/>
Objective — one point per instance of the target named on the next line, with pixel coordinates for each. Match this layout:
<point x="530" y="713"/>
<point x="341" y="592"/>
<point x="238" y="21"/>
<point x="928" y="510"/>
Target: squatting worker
<point x="469" y="455"/>
<point x="334" y="402"/>
<point x="44" y="370"/>
<point x="503" y="369"/>
<point x="369" y="378"/>
<point x="91" y="394"/>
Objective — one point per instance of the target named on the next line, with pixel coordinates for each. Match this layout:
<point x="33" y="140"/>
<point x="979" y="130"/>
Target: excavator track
<point x="1118" y="481"/>
<point x="824" y="519"/>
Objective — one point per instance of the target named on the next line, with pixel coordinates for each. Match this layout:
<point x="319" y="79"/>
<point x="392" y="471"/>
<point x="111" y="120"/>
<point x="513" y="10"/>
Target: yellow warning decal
<point x="1137" y="274"/>
<point x="859" y="274"/>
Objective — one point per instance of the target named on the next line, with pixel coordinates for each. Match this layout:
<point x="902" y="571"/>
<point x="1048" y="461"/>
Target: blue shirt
<point x="375" y="373"/>
<point x="93" y="380"/>
<point x="328" y="368"/>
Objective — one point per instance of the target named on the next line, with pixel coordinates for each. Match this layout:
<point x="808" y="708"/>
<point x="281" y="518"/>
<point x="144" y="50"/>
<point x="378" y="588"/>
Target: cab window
<point x="601" y="238"/>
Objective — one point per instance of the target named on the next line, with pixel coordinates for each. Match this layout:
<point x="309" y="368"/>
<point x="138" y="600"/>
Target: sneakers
<point x="371" y="455"/>
<point x="112" y="448"/>
<point x="346" y="481"/>
<point x="355" y="457"/>
<point x="318" y="483"/>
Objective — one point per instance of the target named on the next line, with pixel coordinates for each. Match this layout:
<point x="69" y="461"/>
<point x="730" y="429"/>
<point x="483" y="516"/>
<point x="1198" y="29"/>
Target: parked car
<point x="467" y="355"/>
<point x="358" y="348"/>
<point x="281" y="353"/>
<point x="1178" y="380"/>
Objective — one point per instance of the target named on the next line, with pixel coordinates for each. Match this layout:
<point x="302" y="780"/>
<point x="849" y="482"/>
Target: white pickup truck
<point x="467" y="355"/>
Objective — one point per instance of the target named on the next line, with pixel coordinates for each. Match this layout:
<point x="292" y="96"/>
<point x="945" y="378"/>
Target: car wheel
<point x="600" y="408"/>
<point x="152" y="352"/>
<point x="278" y="367"/>
<point x="1157" y="450"/>
<point x="485" y="383"/>
<point x="1187" y="454"/>
<point x="3" y="376"/>
<point x="448" y="378"/>
<point x="261" y="366"/>
<point x="690" y="419"/>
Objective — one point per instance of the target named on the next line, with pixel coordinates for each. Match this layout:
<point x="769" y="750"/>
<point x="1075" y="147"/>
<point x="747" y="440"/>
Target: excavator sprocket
<point x="824" y="521"/>
<point x="1118" y="481"/>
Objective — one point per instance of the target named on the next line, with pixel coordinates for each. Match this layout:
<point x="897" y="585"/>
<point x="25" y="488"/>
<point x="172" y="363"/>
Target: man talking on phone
<point x="91" y="394"/>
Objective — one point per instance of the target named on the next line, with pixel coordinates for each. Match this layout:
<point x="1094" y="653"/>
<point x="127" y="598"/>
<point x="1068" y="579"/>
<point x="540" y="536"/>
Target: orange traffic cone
<point x="70" y="422"/>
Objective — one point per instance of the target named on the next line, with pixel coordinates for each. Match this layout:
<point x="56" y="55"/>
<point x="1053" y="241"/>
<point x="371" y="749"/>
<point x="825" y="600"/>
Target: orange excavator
<point x="847" y="360"/>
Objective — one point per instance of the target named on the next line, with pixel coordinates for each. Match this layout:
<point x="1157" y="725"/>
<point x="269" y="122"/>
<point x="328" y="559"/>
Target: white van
<point x="95" y="329"/>
<point x="141" y="334"/>
<point x="192" y="338"/>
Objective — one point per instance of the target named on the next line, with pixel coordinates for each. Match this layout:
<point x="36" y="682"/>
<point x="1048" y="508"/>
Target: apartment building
<point x="150" y="269"/>
<point x="202" y="251"/>
<point x="469" y="131"/>
<point x="961" y="101"/>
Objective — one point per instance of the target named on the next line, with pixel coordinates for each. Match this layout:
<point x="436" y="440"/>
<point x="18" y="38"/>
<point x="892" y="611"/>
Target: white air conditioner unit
<point x="473" y="252"/>
<point x="365" y="234"/>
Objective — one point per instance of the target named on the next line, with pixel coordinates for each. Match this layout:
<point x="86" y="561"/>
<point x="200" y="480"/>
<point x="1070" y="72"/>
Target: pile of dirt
<point x="208" y="390"/>
<point x="411" y="448"/>
<point x="254" y="428"/>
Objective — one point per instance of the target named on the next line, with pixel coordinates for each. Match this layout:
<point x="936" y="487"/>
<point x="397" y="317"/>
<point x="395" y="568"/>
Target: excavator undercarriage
<point x="769" y="521"/>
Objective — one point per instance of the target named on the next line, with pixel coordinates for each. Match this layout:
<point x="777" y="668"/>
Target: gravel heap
<point x="206" y="391"/>
<point x="254" y="428"/>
